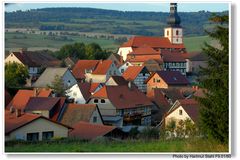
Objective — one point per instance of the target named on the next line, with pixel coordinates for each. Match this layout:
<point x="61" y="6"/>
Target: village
<point x="151" y="82"/>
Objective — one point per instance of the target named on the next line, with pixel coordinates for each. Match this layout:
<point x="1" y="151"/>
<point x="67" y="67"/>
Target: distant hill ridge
<point x="107" y="21"/>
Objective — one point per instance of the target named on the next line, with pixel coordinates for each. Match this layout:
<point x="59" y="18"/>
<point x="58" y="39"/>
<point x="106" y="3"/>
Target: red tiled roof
<point x="154" y="42"/>
<point x="144" y="50"/>
<point x="173" y="56"/>
<point x="119" y="80"/>
<point x="132" y="72"/>
<point x="37" y="58"/>
<point x="173" y="77"/>
<point x="144" y="58"/>
<point x="77" y="112"/>
<point x="102" y="93"/>
<point x="82" y="65"/>
<point x="21" y="98"/>
<point x="41" y="103"/>
<point x="123" y="97"/>
<point x="93" y="87"/>
<point x="58" y="109"/>
<point x="86" y="130"/>
<point x="85" y="89"/>
<point x="102" y="67"/>
<point x="12" y="122"/>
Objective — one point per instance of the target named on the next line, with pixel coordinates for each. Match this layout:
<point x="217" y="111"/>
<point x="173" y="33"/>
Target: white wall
<point x="74" y="92"/>
<point x="123" y="51"/>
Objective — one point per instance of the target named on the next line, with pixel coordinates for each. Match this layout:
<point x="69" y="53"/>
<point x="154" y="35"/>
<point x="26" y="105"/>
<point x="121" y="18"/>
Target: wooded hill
<point x="107" y="21"/>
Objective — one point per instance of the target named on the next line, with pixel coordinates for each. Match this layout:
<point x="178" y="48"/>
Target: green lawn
<point x="197" y="145"/>
<point x="14" y="41"/>
<point x="195" y="43"/>
<point x="35" y="42"/>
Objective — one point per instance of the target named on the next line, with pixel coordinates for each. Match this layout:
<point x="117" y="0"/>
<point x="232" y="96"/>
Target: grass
<point x="35" y="41"/>
<point x="38" y="42"/>
<point x="193" y="145"/>
<point x="195" y="43"/>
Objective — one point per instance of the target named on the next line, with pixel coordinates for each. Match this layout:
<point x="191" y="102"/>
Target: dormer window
<point x="95" y="101"/>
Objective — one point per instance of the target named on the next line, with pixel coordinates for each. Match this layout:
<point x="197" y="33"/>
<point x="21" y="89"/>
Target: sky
<point x="156" y="7"/>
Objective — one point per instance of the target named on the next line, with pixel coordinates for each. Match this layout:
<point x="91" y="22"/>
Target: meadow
<point x="104" y="145"/>
<point x="14" y="41"/>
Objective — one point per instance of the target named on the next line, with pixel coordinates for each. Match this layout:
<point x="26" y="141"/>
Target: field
<point x="14" y="41"/>
<point x="100" y="145"/>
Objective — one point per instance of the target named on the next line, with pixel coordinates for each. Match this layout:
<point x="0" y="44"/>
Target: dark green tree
<point x="15" y="75"/>
<point x="214" y="119"/>
<point x="58" y="86"/>
<point x="92" y="49"/>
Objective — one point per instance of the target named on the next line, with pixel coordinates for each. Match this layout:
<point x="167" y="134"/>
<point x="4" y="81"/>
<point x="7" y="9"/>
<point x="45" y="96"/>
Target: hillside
<point x="106" y="21"/>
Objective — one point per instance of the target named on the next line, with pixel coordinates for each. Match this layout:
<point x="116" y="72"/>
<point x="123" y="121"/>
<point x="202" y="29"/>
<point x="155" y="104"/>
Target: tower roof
<point x="173" y="20"/>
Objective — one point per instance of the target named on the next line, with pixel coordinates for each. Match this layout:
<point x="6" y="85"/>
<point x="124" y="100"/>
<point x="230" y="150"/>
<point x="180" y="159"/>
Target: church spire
<point x="173" y="20"/>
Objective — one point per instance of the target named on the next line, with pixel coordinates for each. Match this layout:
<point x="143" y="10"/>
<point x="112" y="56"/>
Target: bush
<point x="150" y="133"/>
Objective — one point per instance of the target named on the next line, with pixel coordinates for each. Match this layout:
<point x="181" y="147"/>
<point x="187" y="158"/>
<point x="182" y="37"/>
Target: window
<point x="95" y="100"/>
<point x="180" y="112"/>
<point x="167" y="33"/>
<point x="47" y="135"/>
<point x="114" y="72"/>
<point x="177" y="32"/>
<point x="110" y="72"/>
<point x="32" y="136"/>
<point x="154" y="80"/>
<point x="122" y="70"/>
<point x="94" y="119"/>
<point x="102" y="100"/>
<point x="158" y="81"/>
<point x="126" y="64"/>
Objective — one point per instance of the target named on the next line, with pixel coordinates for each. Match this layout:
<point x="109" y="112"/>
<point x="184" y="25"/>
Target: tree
<point x="214" y="119"/>
<point x="15" y="74"/>
<point x="92" y="49"/>
<point x="58" y="87"/>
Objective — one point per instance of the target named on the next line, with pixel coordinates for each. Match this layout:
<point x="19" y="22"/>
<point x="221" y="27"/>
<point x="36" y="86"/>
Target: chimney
<point x="18" y="112"/>
<point x="11" y="109"/>
<point x="36" y="92"/>
<point x="101" y="61"/>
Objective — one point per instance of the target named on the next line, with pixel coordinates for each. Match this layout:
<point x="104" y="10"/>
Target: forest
<point x="107" y="21"/>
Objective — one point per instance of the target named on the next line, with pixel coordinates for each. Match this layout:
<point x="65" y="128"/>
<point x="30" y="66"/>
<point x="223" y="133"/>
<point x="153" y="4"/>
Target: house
<point x="49" y="107"/>
<point x="69" y="62"/>
<point x="8" y="98"/>
<point x="21" y="98"/>
<point x="123" y="105"/>
<point x="174" y="61"/>
<point x="142" y="54"/>
<point x="153" y="65"/>
<point x="196" y="60"/>
<point x="32" y="127"/>
<point x="124" y="66"/>
<point x="94" y="71"/>
<point x="102" y="72"/>
<point x="137" y="75"/>
<point x="49" y="75"/>
<point x="116" y="58"/>
<point x="182" y="110"/>
<point x="34" y="61"/>
<point x="81" y="92"/>
<point x="116" y="81"/>
<point x="166" y="79"/>
<point x="73" y="113"/>
<point x="83" y="67"/>
<point x="172" y="40"/>
<point x="89" y="131"/>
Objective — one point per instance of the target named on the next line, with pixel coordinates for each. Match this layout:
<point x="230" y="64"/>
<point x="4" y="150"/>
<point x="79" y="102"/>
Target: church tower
<point x="174" y="31"/>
